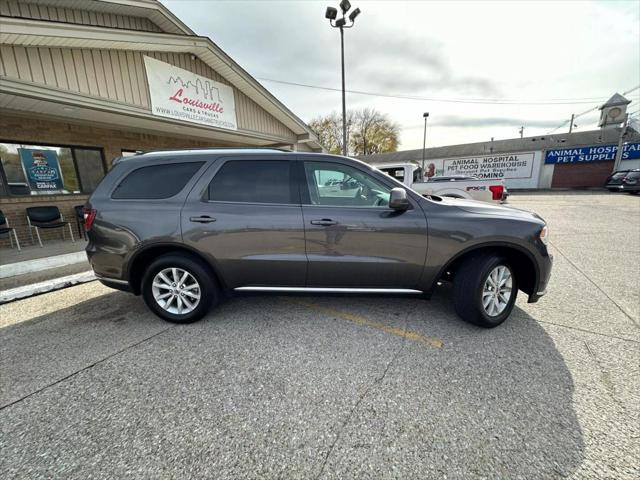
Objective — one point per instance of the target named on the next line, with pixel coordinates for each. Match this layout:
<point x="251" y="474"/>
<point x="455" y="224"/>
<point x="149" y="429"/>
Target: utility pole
<point x="573" y="115"/>
<point x="345" y="147"/>
<point x="623" y="132"/>
<point x="424" y="142"/>
<point x="522" y="131"/>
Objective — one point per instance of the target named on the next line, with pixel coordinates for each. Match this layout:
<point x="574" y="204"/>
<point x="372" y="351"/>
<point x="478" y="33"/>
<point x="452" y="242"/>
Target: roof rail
<point x="121" y="158"/>
<point x="160" y="150"/>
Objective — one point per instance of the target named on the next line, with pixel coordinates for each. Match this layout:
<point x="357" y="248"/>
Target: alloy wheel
<point x="497" y="290"/>
<point x="176" y="291"/>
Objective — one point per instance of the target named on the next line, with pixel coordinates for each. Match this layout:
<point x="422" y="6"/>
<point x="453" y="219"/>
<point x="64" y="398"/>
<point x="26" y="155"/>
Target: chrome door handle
<point x="202" y="219"/>
<point x="325" y="222"/>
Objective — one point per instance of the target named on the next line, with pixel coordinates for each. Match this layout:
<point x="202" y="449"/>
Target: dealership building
<point x="83" y="82"/>
<point x="561" y="160"/>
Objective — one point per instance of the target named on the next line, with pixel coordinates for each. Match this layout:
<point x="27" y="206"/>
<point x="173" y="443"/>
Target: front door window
<point x="337" y="185"/>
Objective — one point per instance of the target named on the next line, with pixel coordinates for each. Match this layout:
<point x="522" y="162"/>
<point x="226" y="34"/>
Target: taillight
<point x="497" y="191"/>
<point x="89" y="217"/>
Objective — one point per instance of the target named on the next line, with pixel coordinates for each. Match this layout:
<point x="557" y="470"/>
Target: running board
<point x="327" y="290"/>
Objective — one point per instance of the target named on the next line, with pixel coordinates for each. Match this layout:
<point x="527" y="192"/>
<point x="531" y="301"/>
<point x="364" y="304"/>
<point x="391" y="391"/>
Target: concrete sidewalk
<point x="35" y="270"/>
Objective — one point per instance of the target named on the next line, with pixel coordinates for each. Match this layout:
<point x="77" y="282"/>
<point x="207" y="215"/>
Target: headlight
<point x="544" y="235"/>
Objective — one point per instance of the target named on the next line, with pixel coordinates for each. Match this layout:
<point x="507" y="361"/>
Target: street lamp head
<point x="425" y="114"/>
<point x="331" y="13"/>
<point x="354" y="14"/>
<point x="345" y="5"/>
<point x="341" y="22"/>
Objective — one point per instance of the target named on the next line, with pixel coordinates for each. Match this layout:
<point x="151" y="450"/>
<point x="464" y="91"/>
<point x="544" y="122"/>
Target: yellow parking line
<point x="365" y="322"/>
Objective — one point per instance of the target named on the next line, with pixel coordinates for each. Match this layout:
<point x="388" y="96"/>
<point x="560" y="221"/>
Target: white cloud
<point x="522" y="50"/>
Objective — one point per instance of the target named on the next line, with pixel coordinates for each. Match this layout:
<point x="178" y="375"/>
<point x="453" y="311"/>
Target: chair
<point x="46" y="217"/>
<point x="6" y="229"/>
<point x="79" y="209"/>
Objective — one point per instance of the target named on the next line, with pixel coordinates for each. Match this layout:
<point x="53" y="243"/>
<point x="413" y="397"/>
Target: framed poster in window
<point x="41" y="169"/>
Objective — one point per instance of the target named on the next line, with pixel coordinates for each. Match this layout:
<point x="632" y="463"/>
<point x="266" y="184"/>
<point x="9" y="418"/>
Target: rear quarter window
<point x="156" y="181"/>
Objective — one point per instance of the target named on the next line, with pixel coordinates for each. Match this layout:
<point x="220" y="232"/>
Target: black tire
<point x="468" y="285"/>
<point x="209" y="289"/>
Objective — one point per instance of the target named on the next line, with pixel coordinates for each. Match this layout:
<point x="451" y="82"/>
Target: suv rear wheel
<point x="177" y="288"/>
<point x="485" y="290"/>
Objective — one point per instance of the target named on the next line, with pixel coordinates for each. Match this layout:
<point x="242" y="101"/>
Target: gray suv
<point x="185" y="228"/>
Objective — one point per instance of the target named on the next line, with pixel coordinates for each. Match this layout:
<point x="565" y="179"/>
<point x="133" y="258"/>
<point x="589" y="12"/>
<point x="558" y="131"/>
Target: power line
<point x="589" y="111"/>
<point x="496" y="101"/>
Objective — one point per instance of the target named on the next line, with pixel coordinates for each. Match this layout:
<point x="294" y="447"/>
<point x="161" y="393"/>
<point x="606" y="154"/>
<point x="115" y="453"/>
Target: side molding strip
<point x="113" y="280"/>
<point x="327" y="290"/>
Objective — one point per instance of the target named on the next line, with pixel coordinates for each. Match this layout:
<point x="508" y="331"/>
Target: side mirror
<point x="398" y="199"/>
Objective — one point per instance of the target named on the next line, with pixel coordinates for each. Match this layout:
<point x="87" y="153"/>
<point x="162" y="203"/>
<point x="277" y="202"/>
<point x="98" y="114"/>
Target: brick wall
<point x="572" y="175"/>
<point x="24" y="128"/>
<point x="15" y="210"/>
<point x="112" y="141"/>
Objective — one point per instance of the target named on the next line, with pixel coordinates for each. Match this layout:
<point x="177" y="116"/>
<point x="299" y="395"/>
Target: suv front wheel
<point x="177" y="288"/>
<point x="484" y="290"/>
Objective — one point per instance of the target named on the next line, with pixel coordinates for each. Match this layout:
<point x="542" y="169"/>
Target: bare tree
<point x="368" y="131"/>
<point x="329" y="130"/>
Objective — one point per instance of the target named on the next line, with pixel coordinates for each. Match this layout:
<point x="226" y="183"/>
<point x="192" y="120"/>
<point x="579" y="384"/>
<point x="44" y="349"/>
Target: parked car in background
<point x="631" y="182"/>
<point x="184" y="228"/>
<point x="455" y="186"/>
<point x="451" y="178"/>
<point x="624" y="181"/>
<point x="613" y="183"/>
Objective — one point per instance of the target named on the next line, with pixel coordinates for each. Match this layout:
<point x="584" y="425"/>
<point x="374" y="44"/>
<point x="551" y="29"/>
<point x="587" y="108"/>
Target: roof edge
<point x="193" y="42"/>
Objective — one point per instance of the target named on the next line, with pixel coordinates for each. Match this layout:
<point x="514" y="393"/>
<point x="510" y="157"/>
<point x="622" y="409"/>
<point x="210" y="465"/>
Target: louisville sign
<point x="42" y="169"/>
<point x="595" y="153"/>
<point x="183" y="95"/>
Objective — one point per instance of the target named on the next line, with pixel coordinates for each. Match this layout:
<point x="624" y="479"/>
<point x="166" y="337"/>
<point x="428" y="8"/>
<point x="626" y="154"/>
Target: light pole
<point x="424" y="141"/>
<point x="341" y="23"/>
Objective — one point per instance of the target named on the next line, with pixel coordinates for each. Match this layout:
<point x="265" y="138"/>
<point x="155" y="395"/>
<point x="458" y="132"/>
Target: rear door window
<point x="156" y="181"/>
<point x="254" y="181"/>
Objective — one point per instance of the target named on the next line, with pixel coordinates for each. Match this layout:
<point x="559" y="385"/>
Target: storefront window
<point x="90" y="168"/>
<point x="48" y="169"/>
<point x="69" y="176"/>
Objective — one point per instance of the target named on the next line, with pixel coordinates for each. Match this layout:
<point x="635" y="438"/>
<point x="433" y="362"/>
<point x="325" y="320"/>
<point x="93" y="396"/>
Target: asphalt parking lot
<point x="95" y="386"/>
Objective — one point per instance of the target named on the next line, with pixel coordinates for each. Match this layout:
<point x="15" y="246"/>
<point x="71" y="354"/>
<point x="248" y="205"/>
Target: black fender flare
<point x="481" y="246"/>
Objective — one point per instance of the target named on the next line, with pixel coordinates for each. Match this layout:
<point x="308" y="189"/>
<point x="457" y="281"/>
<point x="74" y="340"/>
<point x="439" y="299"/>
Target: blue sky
<point x="541" y="54"/>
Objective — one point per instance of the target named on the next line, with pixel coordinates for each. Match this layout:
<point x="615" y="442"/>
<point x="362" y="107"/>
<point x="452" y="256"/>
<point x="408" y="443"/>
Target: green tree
<point x="368" y="131"/>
